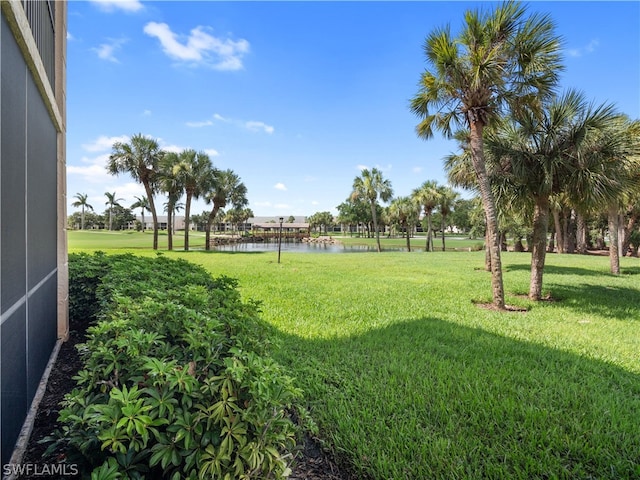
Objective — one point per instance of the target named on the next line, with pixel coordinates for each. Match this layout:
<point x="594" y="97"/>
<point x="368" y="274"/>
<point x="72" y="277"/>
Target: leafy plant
<point x="177" y="381"/>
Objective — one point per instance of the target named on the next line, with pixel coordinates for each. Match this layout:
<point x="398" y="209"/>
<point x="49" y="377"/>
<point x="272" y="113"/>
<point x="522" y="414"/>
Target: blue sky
<point x="295" y="97"/>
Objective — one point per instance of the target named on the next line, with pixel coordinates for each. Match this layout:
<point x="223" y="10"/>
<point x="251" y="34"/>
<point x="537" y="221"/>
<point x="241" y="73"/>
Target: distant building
<point x="33" y="248"/>
<point x="178" y="222"/>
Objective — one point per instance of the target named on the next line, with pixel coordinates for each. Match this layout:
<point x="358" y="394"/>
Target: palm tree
<point x="606" y="173"/>
<point x="225" y="188"/>
<point x="369" y="186"/>
<point x="195" y="173"/>
<point x="542" y="150"/>
<point x="170" y="183"/>
<point x="140" y="159"/>
<point x="501" y="60"/>
<point x="142" y="203"/>
<point x="111" y="202"/>
<point x="427" y="196"/>
<point x="82" y="203"/>
<point x="446" y="200"/>
<point x="405" y="211"/>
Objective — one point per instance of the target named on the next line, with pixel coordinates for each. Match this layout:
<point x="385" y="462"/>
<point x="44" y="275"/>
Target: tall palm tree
<point x="405" y="211"/>
<point x="542" y="150"/>
<point x="446" y="201"/>
<point x="427" y="196"/>
<point x="142" y="203"/>
<point x="170" y="183"/>
<point x="225" y="188"/>
<point x="195" y="173"/>
<point x="140" y="159"/>
<point x="111" y="202"/>
<point x="501" y="60"/>
<point x="82" y="203"/>
<point x="370" y="186"/>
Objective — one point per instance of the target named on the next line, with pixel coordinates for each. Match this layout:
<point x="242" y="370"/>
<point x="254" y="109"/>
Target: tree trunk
<point x="503" y="241"/>
<point x="375" y="225"/>
<point x="187" y="212"/>
<point x="539" y="246"/>
<point x="169" y="226"/>
<point x="614" y="253"/>
<point x="207" y="234"/>
<point x="558" y="228"/>
<point x="581" y="234"/>
<point x="517" y="245"/>
<point x="493" y="235"/>
<point x="406" y="227"/>
<point x="82" y="219"/>
<point x="154" y="216"/>
<point x="571" y="232"/>
<point x="626" y="240"/>
<point x="429" y="246"/>
<point x="487" y="253"/>
<point x="443" y="245"/>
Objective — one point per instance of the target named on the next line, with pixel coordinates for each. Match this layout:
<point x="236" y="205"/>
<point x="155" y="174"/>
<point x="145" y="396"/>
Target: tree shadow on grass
<point x="432" y="399"/>
<point x="557" y="270"/>
<point x="621" y="303"/>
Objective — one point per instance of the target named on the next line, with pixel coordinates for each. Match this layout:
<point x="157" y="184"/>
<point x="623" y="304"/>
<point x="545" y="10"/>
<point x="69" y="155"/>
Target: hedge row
<point x="177" y="380"/>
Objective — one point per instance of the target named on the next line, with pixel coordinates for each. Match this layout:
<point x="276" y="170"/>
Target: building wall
<point x="33" y="275"/>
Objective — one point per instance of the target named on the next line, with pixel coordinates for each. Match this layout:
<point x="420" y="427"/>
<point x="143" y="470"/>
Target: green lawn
<point x="408" y="378"/>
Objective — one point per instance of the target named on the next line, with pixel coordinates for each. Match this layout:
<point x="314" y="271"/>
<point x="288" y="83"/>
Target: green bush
<point x="177" y="381"/>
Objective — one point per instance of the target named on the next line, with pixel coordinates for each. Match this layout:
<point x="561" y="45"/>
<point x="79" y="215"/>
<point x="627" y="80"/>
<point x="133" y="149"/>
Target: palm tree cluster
<point x="189" y="174"/>
<point x="525" y="149"/>
<point x="403" y="213"/>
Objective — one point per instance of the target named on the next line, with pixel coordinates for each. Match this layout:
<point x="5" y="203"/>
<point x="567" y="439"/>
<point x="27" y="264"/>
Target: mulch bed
<point x="312" y="462"/>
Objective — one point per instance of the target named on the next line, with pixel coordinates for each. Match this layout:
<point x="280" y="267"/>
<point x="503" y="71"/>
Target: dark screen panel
<point x="13" y="73"/>
<point x="42" y="203"/>
<point x="13" y="367"/>
<point x="41" y="331"/>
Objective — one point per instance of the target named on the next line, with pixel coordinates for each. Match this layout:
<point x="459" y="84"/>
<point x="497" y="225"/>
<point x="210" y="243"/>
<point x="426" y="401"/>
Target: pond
<point x="300" y="247"/>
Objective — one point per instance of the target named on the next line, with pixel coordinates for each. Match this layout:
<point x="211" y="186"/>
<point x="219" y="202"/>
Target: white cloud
<point x="251" y="125"/>
<point x="314" y="202"/>
<point x="200" y="47"/>
<point x="282" y="206"/>
<point x="259" y="126"/>
<point x="172" y="148"/>
<point x="416" y="169"/>
<point x="263" y="204"/>
<point x="220" y="117"/>
<point x="106" y="51"/>
<point x="146" y="113"/>
<point x="588" y="48"/>
<point x="113" y="5"/>
<point x="205" y="123"/>
<point x="70" y="37"/>
<point x="94" y="171"/>
<point x="280" y="186"/>
<point x="103" y="143"/>
<point x="211" y="152"/>
<point x="362" y="167"/>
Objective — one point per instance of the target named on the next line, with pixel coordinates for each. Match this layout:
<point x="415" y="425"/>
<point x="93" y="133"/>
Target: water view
<point x="301" y="247"/>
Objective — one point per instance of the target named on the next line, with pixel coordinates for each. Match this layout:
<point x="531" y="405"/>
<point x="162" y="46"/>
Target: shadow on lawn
<point x="557" y="270"/>
<point x="610" y="302"/>
<point x="448" y="401"/>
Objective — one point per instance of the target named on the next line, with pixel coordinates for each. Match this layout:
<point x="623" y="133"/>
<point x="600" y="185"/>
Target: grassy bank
<point x="407" y="378"/>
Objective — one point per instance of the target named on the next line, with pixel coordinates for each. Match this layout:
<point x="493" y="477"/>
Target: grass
<point x="407" y="378"/>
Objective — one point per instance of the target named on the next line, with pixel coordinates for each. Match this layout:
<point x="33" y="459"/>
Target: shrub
<point x="177" y="381"/>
